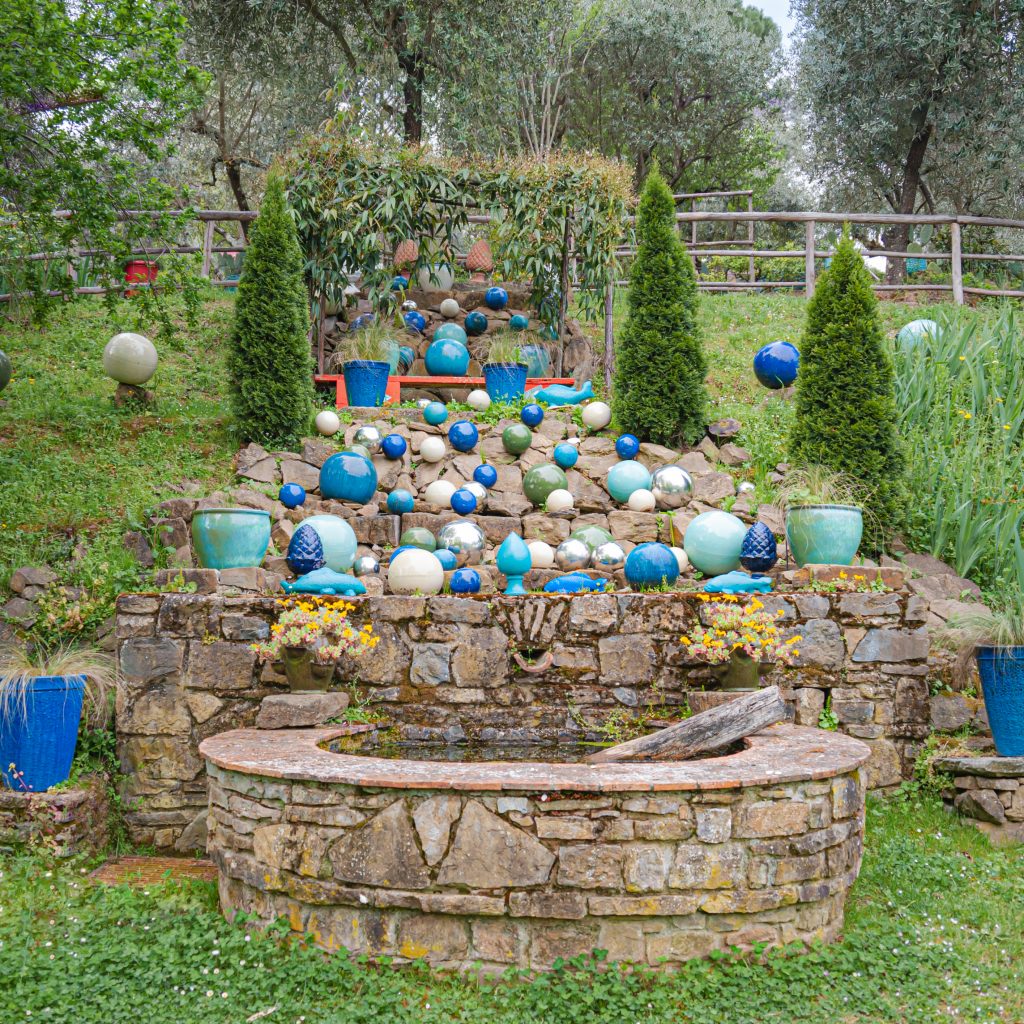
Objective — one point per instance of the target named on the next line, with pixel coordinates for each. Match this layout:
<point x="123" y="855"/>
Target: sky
<point x="778" y="11"/>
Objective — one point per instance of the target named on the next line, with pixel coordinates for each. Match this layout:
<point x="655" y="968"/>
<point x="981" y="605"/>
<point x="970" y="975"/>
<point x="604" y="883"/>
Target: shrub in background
<point x="659" y="361"/>
<point x="269" y="359"/>
<point x="845" y="405"/>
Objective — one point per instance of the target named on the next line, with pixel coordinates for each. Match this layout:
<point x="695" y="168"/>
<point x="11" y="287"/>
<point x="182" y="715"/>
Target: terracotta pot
<point x="740" y="672"/>
<point x="304" y="674"/>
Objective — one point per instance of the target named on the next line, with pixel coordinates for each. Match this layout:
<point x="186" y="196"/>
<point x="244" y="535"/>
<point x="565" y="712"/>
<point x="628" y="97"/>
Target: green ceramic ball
<point x="541" y="480"/>
<point x="516" y="439"/>
<point x="5" y="371"/>
<point x="591" y="534"/>
<point x="418" y="537"/>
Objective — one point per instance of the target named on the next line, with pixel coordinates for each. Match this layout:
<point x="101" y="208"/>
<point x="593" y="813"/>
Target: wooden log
<point x="710" y="730"/>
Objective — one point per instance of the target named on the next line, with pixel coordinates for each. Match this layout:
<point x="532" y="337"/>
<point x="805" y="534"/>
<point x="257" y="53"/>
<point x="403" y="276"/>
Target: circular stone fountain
<point x="520" y="863"/>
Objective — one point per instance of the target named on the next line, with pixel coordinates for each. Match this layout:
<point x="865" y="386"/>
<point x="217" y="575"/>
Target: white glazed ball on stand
<point x="129" y="358"/>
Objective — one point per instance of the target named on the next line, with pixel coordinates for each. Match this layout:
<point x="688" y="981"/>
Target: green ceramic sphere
<point x="5" y="371"/>
<point x="540" y="481"/>
<point x="591" y="535"/>
<point x="516" y="439"/>
<point x="418" y="537"/>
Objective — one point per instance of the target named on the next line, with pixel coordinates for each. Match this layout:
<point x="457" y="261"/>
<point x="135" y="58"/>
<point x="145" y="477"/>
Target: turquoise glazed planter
<point x="1002" y="682"/>
<point x="824" y="534"/>
<point x="230" y="538"/>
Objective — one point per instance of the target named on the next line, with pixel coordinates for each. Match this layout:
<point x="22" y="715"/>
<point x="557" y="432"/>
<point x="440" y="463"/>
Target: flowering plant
<point x="745" y="628"/>
<point x="323" y="629"/>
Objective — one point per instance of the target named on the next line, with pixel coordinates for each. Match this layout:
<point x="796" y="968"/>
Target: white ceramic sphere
<point x="129" y="358"/>
<point x="432" y="449"/>
<point x="746" y="487"/>
<point x="439" y="493"/>
<point x="327" y="422"/>
<point x="415" y="571"/>
<point x="597" y="415"/>
<point x="479" y="400"/>
<point x="642" y="500"/>
<point x="559" y="500"/>
<point x="449" y="308"/>
<point x="542" y="555"/>
<point x="682" y="558"/>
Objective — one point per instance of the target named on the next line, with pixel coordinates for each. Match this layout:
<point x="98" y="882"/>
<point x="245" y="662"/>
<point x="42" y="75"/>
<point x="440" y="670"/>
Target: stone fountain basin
<point x="520" y="863"/>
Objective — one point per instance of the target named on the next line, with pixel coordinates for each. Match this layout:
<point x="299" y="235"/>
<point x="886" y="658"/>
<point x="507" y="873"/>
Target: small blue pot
<point x="824" y="534"/>
<point x="366" y="382"/>
<point x="39" y="736"/>
<point x="505" y="382"/>
<point x="230" y="538"/>
<point x="1002" y="682"/>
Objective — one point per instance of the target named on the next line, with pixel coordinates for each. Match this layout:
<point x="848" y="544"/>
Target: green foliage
<point x="828" y="719"/>
<point x="659" y="389"/>
<point x="845" y="409"/>
<point x="269" y="357"/>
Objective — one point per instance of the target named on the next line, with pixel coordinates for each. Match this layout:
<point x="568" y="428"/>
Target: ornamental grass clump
<point x="322" y="629"/>
<point x="747" y="629"/>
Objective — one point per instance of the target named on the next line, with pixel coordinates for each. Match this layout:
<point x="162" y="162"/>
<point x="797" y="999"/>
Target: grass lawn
<point x="935" y="932"/>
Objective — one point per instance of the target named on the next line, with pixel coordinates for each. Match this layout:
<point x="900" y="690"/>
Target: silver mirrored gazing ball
<point x="365" y="565"/>
<point x="572" y="554"/>
<point x="478" y="491"/>
<point x="369" y="437"/>
<point x="422" y="403"/>
<point x="671" y="486"/>
<point x="408" y="306"/>
<point x="608" y="556"/>
<point x="745" y="487"/>
<point x="465" y="540"/>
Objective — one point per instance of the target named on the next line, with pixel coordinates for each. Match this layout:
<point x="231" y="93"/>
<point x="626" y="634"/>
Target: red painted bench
<point x="394" y="391"/>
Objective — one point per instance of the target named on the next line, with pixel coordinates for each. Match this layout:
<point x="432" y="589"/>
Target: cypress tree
<point x="269" y="359"/>
<point x="845" y="403"/>
<point x="659" y="362"/>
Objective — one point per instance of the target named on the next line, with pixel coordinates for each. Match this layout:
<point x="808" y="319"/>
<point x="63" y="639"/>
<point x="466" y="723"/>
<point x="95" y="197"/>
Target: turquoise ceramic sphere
<point x="447" y="358"/>
<point x="713" y="542"/>
<point x="453" y="332"/>
<point x="348" y="476"/>
<point x="435" y="413"/>
<point x="446" y="558"/>
<point x="626" y="477"/>
<point x="400" y="501"/>
<point x="518" y="322"/>
<point x="338" y="540"/>
<point x="566" y="455"/>
<point x="912" y="334"/>
<point x="537" y="359"/>
<point x="651" y="565"/>
<point x="476" y="323"/>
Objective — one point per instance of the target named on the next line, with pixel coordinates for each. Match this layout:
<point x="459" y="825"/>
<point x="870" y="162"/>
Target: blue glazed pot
<point x="447" y="358"/>
<point x="505" y="382"/>
<point x="824" y="534"/>
<point x="1002" y="682"/>
<point x="366" y="382"/>
<point x="38" y="736"/>
<point x="230" y="538"/>
<point x="348" y="476"/>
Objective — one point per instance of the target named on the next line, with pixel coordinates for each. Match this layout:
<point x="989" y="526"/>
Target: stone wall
<point x="989" y="791"/>
<point x="451" y="668"/>
<point x="507" y="868"/>
<point x="66" y="822"/>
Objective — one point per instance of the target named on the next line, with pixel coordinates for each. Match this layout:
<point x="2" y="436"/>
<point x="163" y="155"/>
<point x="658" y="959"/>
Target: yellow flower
<point x="685" y="640"/>
<point x="842" y="575"/>
<point x="794" y="640"/>
<point x="1006" y="426"/>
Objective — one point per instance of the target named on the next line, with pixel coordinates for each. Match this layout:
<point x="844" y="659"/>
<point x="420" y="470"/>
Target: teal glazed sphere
<point x="541" y="480"/>
<point x="651" y="565"/>
<point x="230" y="538"/>
<point x="516" y="438"/>
<point x="566" y="455"/>
<point x="447" y="358"/>
<point x="451" y="332"/>
<point x="338" y="540"/>
<point x="714" y="541"/>
<point x="911" y="335"/>
<point x="400" y="501"/>
<point x="592" y="535"/>
<point x="435" y="413"/>
<point x="476" y="323"/>
<point x="518" y="322"/>
<point x="418" y="537"/>
<point x="537" y="359"/>
<point x="626" y="477"/>
<point x="348" y="476"/>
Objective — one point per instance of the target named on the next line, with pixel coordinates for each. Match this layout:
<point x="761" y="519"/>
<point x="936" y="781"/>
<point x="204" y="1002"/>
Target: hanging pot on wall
<point x="304" y="674"/>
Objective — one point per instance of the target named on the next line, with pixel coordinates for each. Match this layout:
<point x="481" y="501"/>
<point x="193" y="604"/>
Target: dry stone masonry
<point x="989" y="791"/>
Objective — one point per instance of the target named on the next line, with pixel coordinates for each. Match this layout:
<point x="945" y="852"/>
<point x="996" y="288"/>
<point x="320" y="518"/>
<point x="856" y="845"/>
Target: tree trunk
<point x="234" y="173"/>
<point x="897" y="236"/>
<point x="412" y="92"/>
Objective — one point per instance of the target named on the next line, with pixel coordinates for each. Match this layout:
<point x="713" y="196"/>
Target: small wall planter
<point x="230" y="538"/>
<point x="824" y="534"/>
<point x="304" y="674"/>
<point x="366" y="382"/>
<point x="505" y="382"/>
<point x="1002" y="681"/>
<point x="740" y="673"/>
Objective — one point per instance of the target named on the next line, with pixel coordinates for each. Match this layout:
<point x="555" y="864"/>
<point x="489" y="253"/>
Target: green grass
<point x="935" y="932"/>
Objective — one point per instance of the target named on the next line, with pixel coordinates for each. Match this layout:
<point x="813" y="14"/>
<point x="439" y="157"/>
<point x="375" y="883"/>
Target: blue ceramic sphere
<point x="532" y="415"/>
<point x="485" y="474"/>
<point x="626" y="477"/>
<point x="651" y="565"/>
<point x="476" y="323"/>
<point x="416" y="320"/>
<point x="465" y="581"/>
<point x="566" y="455"/>
<point x="400" y="501"/>
<point x="435" y="413"/>
<point x="406" y="357"/>
<point x="446" y="558"/>
<point x="537" y="359"/>
<point x="759" y="551"/>
<point x="451" y="332"/>
<point x="338" y="540"/>
<point x="627" y="446"/>
<point x="348" y="476"/>
<point x="361" y="321"/>
<point x="393" y="446"/>
<point x="463" y="502"/>
<point x="447" y="358"/>
<point x="399" y="283"/>
<point x="291" y="495"/>
<point x="776" y="364"/>
<point x="305" y="551"/>
<point x="496" y="298"/>
<point x="916" y="331"/>
<point x="518" y="322"/>
<point x="463" y="436"/>
<point x="713" y="542"/>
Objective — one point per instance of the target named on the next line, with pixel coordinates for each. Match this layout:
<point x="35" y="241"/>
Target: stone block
<point x="707" y="867"/>
<point x="300" y="710"/>
<point x="892" y="645"/>
<point x="383" y="531"/>
<point x="382" y="852"/>
<point x="675" y="947"/>
<point x="563" y="906"/>
<point x="566" y="828"/>
<point x="145" y="659"/>
<point x="590" y="866"/>
<point x="847" y="798"/>
<point x="560" y="942"/>
<point x="982" y="805"/>
<point x="626" y="659"/>
<point x="219" y="666"/>
<point x="714" y="824"/>
<point x="430" y="665"/>
<point x="593" y="613"/>
<point x="248" y="578"/>
<point x="244" y="627"/>
<point x="433" y="819"/>
<point x="821" y="644"/>
<point x="158" y="711"/>
<point x="540" y="526"/>
<point x="949" y="712"/>
<point x="624" y="941"/>
<point x="437" y="938"/>
<point x="869" y="606"/>
<point x="770" y="818"/>
<point x="645" y="866"/>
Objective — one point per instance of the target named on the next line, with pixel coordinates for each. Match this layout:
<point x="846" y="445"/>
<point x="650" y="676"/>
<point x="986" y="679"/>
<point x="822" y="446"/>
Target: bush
<point x="269" y="360"/>
<point x="845" y="406"/>
<point x="659" y="362"/>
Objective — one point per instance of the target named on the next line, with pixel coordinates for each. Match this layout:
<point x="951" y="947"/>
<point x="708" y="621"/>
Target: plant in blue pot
<point x="824" y="521"/>
<point x="504" y="371"/>
<point x="365" y="357"/>
<point x="43" y="692"/>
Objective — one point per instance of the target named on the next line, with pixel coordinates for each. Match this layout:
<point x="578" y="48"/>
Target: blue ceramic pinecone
<point x="759" y="551"/>
<point x="305" y="551"/>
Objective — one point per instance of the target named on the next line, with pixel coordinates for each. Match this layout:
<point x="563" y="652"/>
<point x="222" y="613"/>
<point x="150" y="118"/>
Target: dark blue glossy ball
<point x="496" y="298"/>
<point x="393" y="446"/>
<point x="291" y="495"/>
<point x="463" y="436"/>
<point x="776" y="364"/>
<point x="475" y="323"/>
<point x="627" y="446"/>
<point x="465" y="581"/>
<point x="532" y="415"/>
<point x="416" y="320"/>
<point x="463" y="502"/>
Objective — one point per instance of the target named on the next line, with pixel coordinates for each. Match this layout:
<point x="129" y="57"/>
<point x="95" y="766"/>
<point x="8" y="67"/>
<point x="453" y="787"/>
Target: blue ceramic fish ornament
<point x="737" y="582"/>
<point x="325" y="581"/>
<point x="575" y="583"/>
<point x="559" y="394"/>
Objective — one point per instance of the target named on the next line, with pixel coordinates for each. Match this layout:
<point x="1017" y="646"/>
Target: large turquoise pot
<point x="824" y="534"/>
<point x="230" y="538"/>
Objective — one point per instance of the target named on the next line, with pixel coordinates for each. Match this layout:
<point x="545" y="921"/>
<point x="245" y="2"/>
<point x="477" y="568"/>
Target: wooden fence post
<point x="751" y="268"/>
<point x="809" y="258"/>
<point x="609" y="335"/>
<point x="207" y="248"/>
<point x="958" y="268"/>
